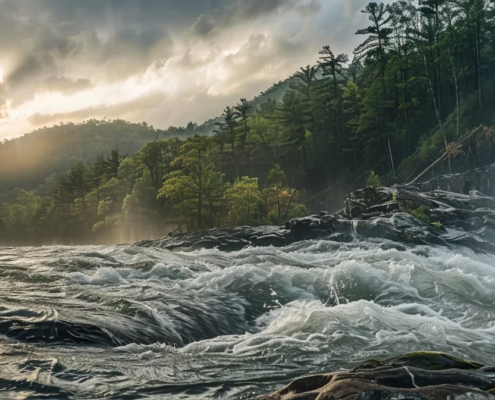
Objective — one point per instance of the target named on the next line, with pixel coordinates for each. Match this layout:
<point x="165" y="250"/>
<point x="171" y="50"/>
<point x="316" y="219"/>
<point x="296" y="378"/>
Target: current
<point x="128" y="322"/>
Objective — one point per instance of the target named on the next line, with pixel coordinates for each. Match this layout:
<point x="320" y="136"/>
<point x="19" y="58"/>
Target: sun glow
<point x="1" y="75"/>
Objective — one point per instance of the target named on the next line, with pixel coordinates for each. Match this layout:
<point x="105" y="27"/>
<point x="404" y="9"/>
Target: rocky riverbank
<point x="402" y="215"/>
<point x="453" y="210"/>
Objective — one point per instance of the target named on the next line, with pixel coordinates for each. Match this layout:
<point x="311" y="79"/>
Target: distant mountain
<point x="26" y="161"/>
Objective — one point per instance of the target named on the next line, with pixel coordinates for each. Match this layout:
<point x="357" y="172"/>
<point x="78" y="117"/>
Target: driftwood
<point x="452" y="150"/>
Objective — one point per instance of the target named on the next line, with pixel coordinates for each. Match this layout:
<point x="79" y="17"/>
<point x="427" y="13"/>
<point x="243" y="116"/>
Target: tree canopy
<point x="411" y="92"/>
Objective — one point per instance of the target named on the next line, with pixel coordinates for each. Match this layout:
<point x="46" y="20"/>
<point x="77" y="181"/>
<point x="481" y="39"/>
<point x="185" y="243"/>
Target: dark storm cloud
<point x="242" y="11"/>
<point x="32" y="48"/>
<point x="42" y="38"/>
<point x="149" y="60"/>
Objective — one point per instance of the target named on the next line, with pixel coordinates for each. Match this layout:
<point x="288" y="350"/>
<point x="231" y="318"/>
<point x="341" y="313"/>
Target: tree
<point x="304" y="83"/>
<point x="373" y="49"/>
<point x="139" y="208"/>
<point x="227" y="133"/>
<point x="244" y="202"/>
<point x="266" y="133"/>
<point x="195" y="162"/>
<point x="112" y="164"/>
<point x="282" y="201"/>
<point x="242" y="110"/>
<point x="26" y="220"/>
<point x="180" y="191"/>
<point x="332" y="66"/>
<point x="374" y="180"/>
<point x="293" y="117"/>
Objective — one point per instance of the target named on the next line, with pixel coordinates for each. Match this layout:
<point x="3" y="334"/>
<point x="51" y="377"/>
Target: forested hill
<point x="418" y="91"/>
<point x="35" y="160"/>
<point x="26" y="161"/>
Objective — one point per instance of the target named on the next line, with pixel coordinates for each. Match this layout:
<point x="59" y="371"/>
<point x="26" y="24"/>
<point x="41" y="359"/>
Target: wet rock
<point x="481" y="179"/>
<point x="233" y="244"/>
<point x="428" y="360"/>
<point x="420" y="375"/>
<point x="205" y="244"/>
<point x="386" y="207"/>
<point x="368" y="197"/>
<point x="392" y="245"/>
<point x="269" y="240"/>
<point x="402" y="214"/>
<point x="232" y="239"/>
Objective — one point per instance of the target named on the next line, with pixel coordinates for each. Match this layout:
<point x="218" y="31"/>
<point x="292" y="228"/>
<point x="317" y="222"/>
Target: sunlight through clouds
<point x="134" y="66"/>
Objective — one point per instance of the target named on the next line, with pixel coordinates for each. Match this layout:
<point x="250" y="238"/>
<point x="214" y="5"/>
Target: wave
<point x="143" y="322"/>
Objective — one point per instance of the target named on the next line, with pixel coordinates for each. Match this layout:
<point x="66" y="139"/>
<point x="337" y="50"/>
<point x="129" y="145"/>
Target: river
<point x="126" y="322"/>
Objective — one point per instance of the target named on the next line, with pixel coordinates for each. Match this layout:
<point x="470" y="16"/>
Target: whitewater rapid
<point x="126" y="322"/>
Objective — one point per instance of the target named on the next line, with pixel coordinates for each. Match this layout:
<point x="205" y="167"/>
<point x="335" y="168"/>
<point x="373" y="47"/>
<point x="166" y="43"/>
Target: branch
<point x="451" y="151"/>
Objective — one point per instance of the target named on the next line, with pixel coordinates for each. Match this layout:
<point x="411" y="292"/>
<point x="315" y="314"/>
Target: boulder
<point x="205" y="244"/>
<point x="413" y="214"/>
<point x="480" y="179"/>
<point x="413" y="376"/>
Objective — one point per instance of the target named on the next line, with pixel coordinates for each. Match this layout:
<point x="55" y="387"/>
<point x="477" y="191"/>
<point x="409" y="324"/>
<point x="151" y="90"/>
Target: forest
<point x="418" y="89"/>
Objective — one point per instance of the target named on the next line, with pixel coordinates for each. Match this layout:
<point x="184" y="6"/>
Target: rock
<point x="386" y="207"/>
<point x="420" y="375"/>
<point x="270" y="240"/>
<point x="232" y="239"/>
<point x="312" y="227"/>
<point x="445" y="219"/>
<point x="428" y="360"/>
<point x="233" y="244"/>
<point x="205" y="244"/>
<point x="369" y="197"/>
<point x="481" y="179"/>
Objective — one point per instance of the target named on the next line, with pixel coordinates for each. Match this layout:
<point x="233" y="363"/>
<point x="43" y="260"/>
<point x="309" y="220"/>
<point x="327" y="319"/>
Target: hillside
<point x="26" y="161"/>
<point x="399" y="111"/>
<point x="35" y="160"/>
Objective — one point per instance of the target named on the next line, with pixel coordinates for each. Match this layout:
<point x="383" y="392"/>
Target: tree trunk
<point x="200" y="196"/>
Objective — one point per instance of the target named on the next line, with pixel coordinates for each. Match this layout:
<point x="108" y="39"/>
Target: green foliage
<point x="244" y="202"/>
<point x="374" y="180"/>
<point x="196" y="189"/>
<point x="422" y="77"/>
<point x="421" y="214"/>
<point x="31" y="158"/>
<point x="436" y="224"/>
<point x="25" y="219"/>
<point x="139" y="206"/>
<point x="282" y="201"/>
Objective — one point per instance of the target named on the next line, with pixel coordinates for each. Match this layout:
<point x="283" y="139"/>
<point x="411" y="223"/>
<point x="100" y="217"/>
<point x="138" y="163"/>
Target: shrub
<point x="374" y="180"/>
<point x="420" y="213"/>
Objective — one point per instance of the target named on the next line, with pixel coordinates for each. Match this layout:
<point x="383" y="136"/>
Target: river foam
<point x="115" y="321"/>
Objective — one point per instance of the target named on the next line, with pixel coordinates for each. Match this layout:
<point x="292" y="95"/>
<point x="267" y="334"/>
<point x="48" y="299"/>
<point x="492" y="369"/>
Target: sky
<point x="165" y="62"/>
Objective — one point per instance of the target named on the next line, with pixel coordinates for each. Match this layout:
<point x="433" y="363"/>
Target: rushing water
<point x="125" y="322"/>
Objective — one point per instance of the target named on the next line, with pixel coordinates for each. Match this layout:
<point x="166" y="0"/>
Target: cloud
<point x="260" y="59"/>
<point x="245" y="11"/>
<point x="203" y="25"/>
<point x="132" y="109"/>
<point x="165" y="62"/>
<point x="132" y="50"/>
<point x="65" y="85"/>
